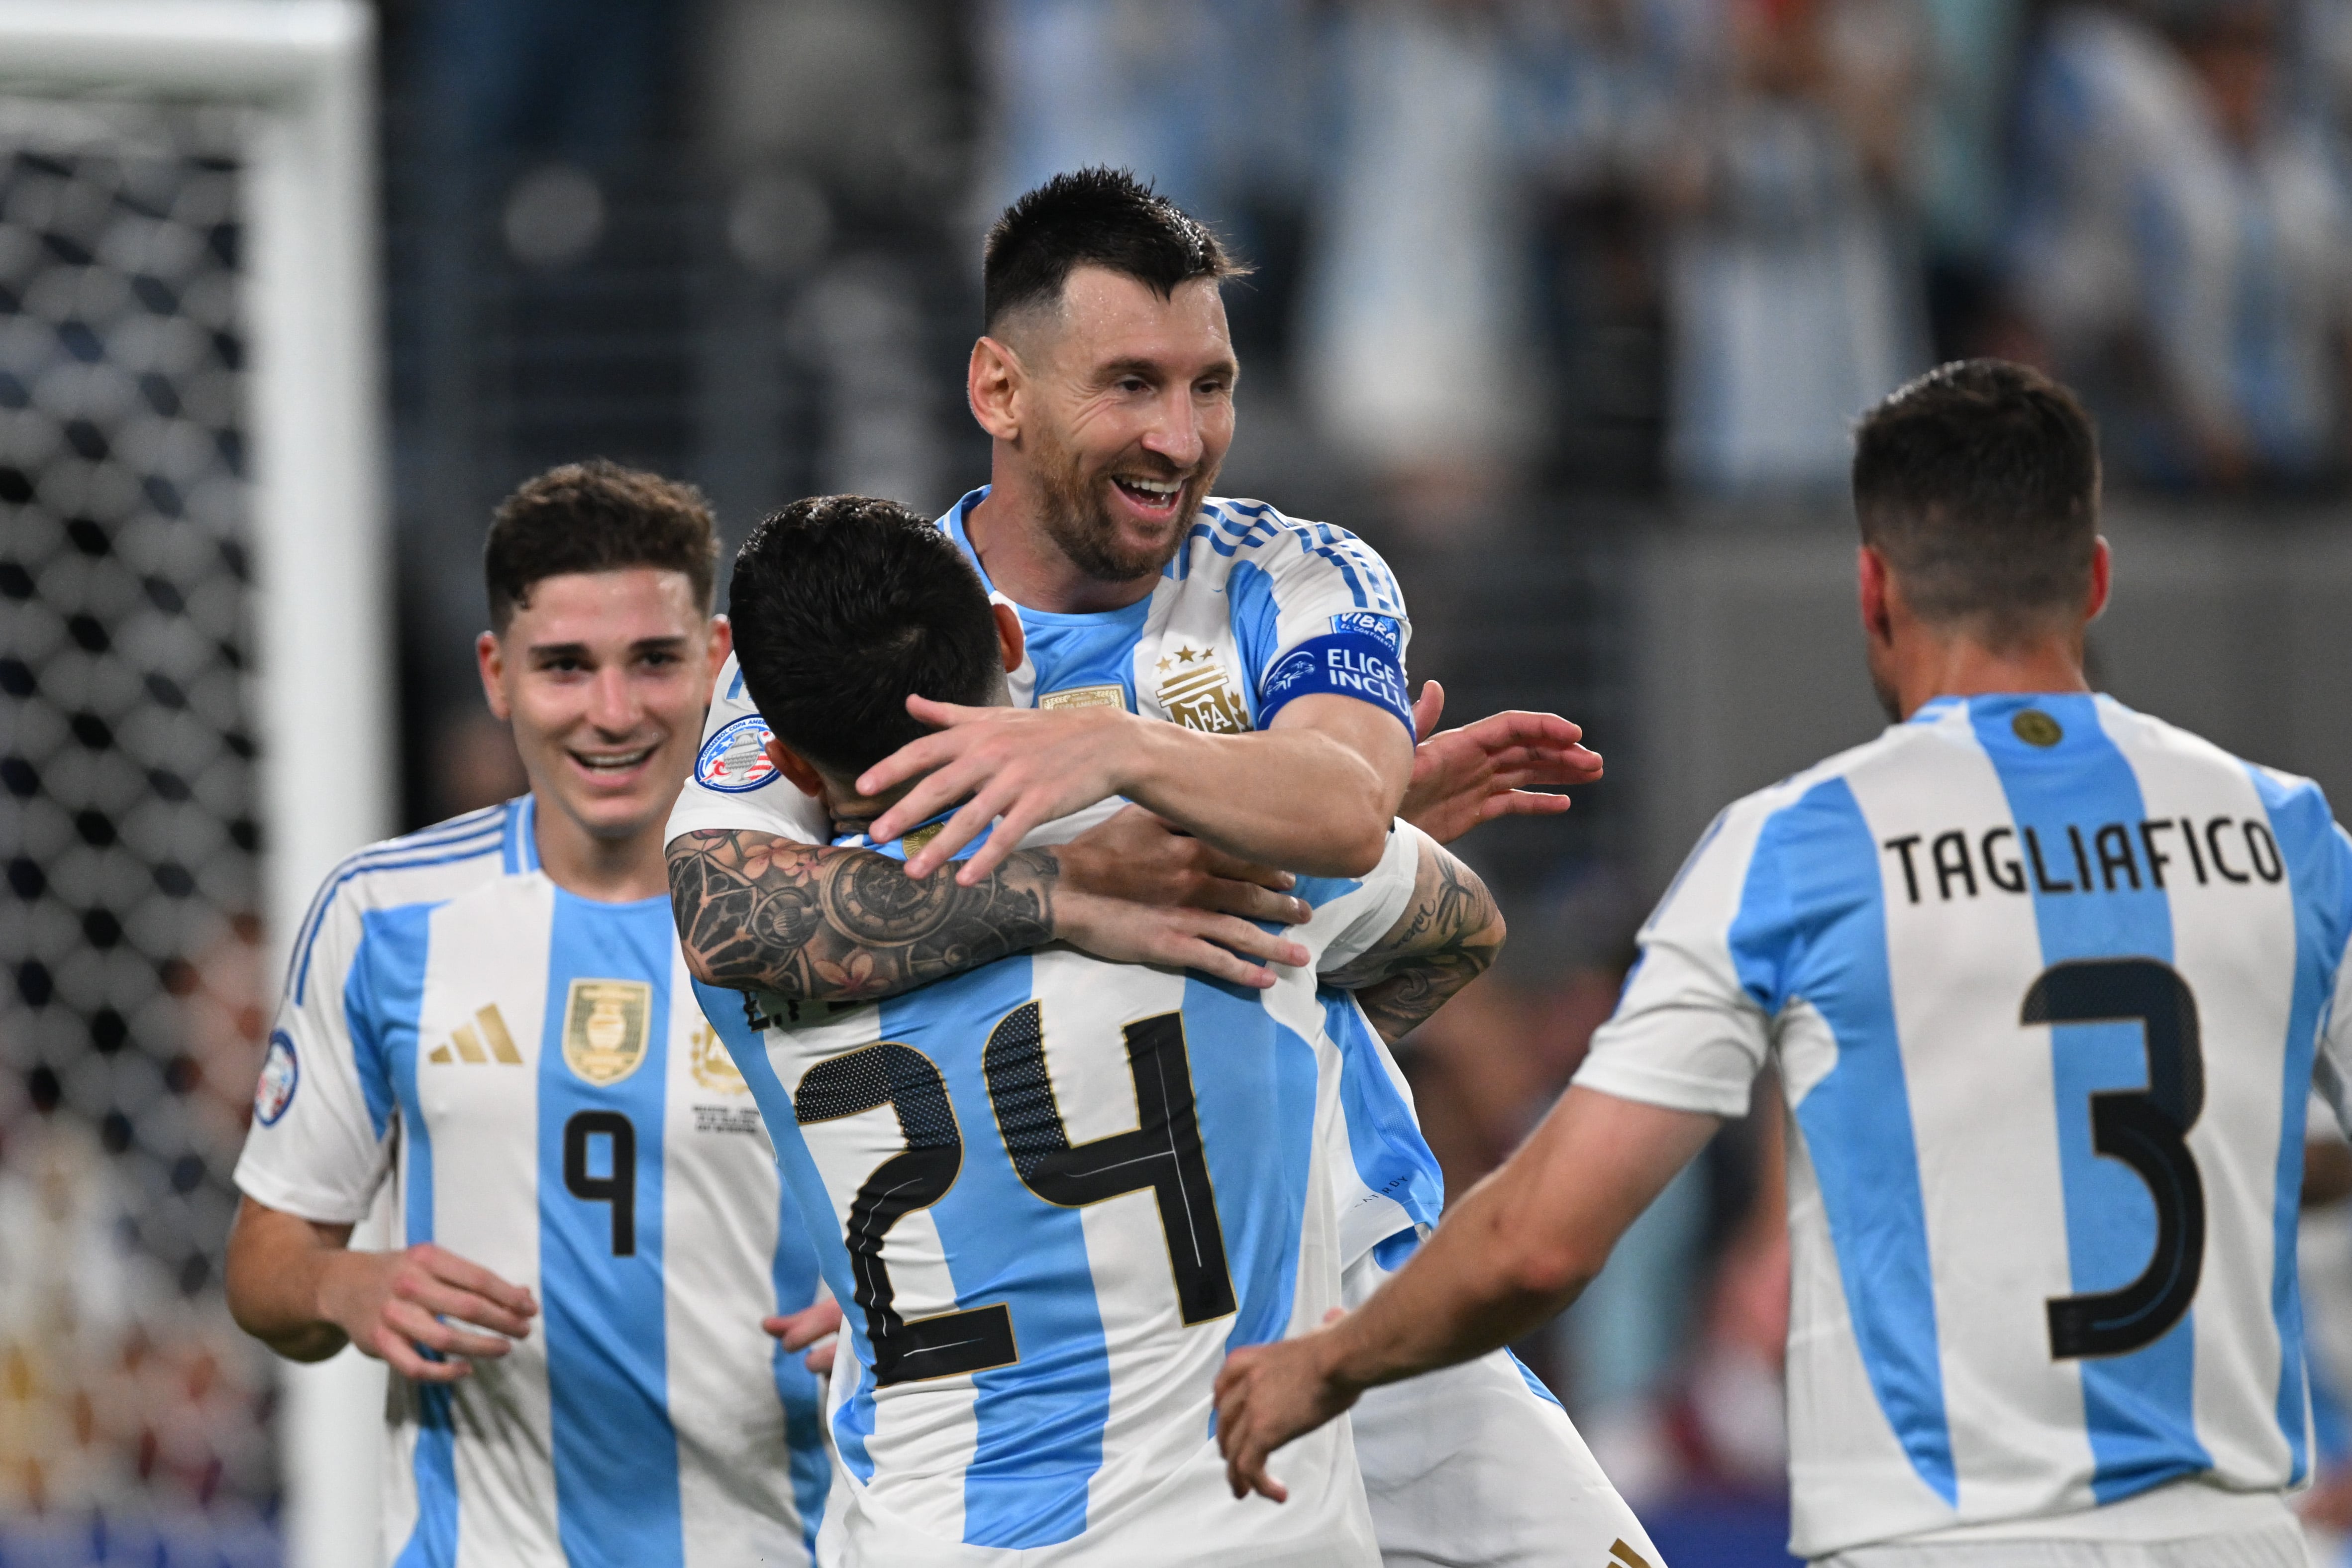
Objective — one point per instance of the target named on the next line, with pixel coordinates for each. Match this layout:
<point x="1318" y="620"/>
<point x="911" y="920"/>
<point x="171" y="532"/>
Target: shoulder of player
<point x="1230" y="530"/>
<point x="2141" y="735"/>
<point x="432" y="864"/>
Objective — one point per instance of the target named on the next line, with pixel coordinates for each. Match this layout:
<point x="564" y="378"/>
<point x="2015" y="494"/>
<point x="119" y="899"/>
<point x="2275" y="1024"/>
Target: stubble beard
<point x="1081" y="528"/>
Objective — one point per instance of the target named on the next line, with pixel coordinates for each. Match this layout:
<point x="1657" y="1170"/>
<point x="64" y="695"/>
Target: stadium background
<point x="1565" y="304"/>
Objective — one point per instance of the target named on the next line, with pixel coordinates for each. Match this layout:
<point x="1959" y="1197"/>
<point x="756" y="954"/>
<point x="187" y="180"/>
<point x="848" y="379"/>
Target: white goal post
<point x="304" y="71"/>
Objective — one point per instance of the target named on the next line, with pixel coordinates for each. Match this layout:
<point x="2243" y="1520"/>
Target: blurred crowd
<point x="1480" y="204"/>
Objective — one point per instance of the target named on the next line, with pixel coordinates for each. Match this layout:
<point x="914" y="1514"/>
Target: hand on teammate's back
<point x="1496" y="767"/>
<point x="395" y="1305"/>
<point x="1135" y="891"/>
<point x="816" y="1329"/>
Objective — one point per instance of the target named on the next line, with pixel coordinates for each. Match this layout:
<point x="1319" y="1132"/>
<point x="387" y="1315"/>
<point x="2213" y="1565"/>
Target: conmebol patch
<point x="736" y="758"/>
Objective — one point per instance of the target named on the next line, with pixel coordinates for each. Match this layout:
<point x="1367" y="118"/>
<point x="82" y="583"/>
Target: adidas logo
<point x="469" y="1046"/>
<point x="1622" y="1555"/>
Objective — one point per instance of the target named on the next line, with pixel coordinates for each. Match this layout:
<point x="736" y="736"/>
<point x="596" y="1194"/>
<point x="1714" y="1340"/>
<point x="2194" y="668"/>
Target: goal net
<point x="183" y="743"/>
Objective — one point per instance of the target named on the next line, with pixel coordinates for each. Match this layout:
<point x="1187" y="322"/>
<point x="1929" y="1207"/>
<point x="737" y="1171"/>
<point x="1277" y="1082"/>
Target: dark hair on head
<point x="1098" y="217"/>
<point x="597" y="516"/>
<point x="1979" y="483"/>
<point x="844" y="606"/>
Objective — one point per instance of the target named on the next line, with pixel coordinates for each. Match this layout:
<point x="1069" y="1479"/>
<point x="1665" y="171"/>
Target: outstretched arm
<point x="1520" y="1246"/>
<point x="815" y="922"/>
<point x="1445" y="938"/>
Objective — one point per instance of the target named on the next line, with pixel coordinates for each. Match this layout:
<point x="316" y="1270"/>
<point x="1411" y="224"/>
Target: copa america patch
<point x="736" y="758"/>
<point x="281" y="1073"/>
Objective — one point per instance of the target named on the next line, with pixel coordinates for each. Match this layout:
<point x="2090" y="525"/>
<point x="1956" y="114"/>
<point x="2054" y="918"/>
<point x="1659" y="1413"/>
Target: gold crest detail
<point x="914" y="841"/>
<point x="1197" y="693"/>
<point x="605" y="1026"/>
<point x="1112" y="695"/>
<point x="2036" y="727"/>
<point x="714" y="1069"/>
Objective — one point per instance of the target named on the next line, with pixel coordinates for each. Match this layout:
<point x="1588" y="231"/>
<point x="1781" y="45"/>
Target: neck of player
<point x="611" y="870"/>
<point x="1961" y="667"/>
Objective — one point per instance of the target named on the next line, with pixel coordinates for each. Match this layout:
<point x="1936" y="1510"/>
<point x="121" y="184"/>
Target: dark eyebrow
<point x="546" y="650"/>
<point x="1148" y="369"/>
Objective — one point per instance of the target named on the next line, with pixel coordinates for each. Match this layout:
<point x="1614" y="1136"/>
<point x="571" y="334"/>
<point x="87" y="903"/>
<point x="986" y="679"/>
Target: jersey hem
<point x="1670" y="1092"/>
<point x="290" y="1197"/>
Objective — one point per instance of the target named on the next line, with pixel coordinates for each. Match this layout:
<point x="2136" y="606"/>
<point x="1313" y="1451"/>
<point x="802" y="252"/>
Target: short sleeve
<point x="320" y="1142"/>
<point x="734" y="786"/>
<point x="1687" y="1035"/>
<point x="1351" y="915"/>
<point x="2328" y="886"/>
<point x="1318" y="612"/>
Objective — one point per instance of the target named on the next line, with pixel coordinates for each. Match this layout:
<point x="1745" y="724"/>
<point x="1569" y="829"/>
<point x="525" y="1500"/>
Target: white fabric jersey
<point x="2043" y="978"/>
<point x="1065" y="1190"/>
<point x="1255" y="611"/>
<point x="530" y="1070"/>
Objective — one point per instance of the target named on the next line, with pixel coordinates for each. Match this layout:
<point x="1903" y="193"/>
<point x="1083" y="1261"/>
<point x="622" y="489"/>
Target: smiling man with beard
<point x="1236" y="674"/>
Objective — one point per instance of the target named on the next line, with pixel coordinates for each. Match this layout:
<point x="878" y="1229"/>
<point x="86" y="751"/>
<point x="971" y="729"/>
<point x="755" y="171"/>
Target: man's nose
<point x="1175" y="434"/>
<point x="611" y="701"/>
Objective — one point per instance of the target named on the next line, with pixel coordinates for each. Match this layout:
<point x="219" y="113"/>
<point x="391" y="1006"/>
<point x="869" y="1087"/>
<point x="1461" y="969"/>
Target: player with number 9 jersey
<point x="528" y="1070"/>
<point x="1062" y="1190"/>
<point x="2043" y="978"/>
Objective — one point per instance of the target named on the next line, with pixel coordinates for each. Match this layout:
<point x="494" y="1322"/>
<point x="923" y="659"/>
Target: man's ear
<point x="722" y="643"/>
<point x="993" y="388"/>
<point x="2102" y="577"/>
<point x="1010" y="637"/>
<point x="490" y="658"/>
<point x="795" y="767"/>
<point x="1872" y="583"/>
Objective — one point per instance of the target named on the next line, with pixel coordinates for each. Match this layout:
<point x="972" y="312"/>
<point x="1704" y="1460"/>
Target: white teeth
<point x="613" y="764"/>
<point x="1153" y="487"/>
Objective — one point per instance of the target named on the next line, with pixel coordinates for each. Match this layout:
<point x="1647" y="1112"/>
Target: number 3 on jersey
<point x="2148" y="1129"/>
<point x="1162" y="1156"/>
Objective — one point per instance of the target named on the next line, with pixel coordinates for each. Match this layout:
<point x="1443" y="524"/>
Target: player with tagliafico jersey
<point x="2046" y="980"/>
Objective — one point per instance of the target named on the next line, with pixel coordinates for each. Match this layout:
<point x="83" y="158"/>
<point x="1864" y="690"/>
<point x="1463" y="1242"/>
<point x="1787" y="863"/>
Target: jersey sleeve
<point x="320" y="1142"/>
<point x="1688" y="1034"/>
<point x="2330" y="885"/>
<point x="1351" y="916"/>
<point x="733" y="785"/>
<point x="1317" y="611"/>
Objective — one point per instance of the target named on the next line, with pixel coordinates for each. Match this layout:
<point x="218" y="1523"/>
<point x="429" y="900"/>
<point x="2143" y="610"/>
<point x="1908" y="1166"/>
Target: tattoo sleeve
<point x="812" y="923"/>
<point x="1447" y="939"/>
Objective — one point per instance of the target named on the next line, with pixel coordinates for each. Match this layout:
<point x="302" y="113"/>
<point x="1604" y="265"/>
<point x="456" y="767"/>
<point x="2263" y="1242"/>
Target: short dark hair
<point x="844" y="606"/>
<point x="1100" y="218"/>
<point x="597" y="516"/>
<point x="1979" y="483"/>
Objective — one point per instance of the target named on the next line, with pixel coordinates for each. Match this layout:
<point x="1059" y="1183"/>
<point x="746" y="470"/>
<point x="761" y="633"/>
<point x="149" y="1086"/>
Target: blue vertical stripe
<point x="1041" y="1419"/>
<point x="2319" y="877"/>
<point x="1257" y="618"/>
<point x="1812" y="927"/>
<point x="1098" y="650"/>
<point x="394" y="945"/>
<point x="1254" y="1084"/>
<point x="797" y="1388"/>
<point x="2139" y="1408"/>
<point x="805" y="1194"/>
<point x="607" y="1373"/>
<point x="1391" y="1156"/>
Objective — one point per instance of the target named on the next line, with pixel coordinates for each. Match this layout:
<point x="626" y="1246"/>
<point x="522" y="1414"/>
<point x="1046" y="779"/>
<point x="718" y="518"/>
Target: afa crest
<point x="1199" y="695"/>
<point x="713" y="1069"/>
<point x="606" y="1024"/>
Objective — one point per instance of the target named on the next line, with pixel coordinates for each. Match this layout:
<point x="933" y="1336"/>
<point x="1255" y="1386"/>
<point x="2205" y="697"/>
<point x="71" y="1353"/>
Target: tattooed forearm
<point x="809" y="922"/>
<point x="1444" y="941"/>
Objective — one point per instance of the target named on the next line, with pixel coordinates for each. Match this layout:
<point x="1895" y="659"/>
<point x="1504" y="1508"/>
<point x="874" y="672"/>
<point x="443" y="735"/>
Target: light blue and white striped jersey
<point x="2043" y="978"/>
<point x="530" y="1070"/>
<point x="1062" y="1191"/>
<point x="1255" y="611"/>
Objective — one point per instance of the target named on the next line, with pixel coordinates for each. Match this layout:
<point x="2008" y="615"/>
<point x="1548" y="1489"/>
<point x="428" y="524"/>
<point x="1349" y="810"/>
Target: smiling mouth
<point x="1152" y="495"/>
<point x="612" y="761"/>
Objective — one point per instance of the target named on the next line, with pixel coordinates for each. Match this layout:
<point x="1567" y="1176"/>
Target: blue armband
<point x="1345" y="663"/>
